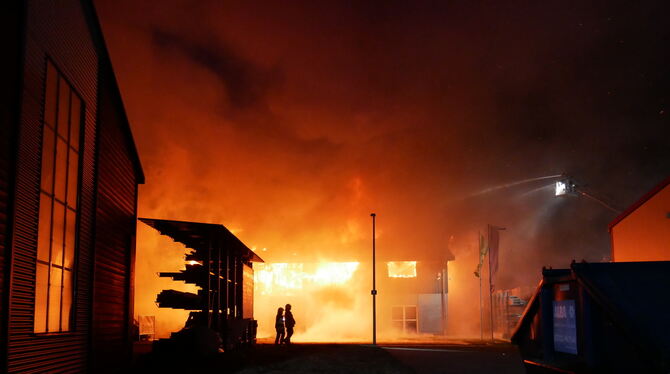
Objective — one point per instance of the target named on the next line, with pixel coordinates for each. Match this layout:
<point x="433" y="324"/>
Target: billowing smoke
<point x="290" y="123"/>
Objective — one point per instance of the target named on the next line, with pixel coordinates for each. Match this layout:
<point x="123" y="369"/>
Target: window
<point x="59" y="186"/>
<point x="401" y="269"/>
<point x="404" y="319"/>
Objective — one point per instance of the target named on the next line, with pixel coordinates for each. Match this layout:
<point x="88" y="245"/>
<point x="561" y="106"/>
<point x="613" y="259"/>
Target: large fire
<point x="285" y="278"/>
<point x="329" y="302"/>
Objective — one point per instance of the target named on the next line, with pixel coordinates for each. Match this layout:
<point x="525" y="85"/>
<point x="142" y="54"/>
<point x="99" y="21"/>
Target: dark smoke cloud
<point x="293" y="121"/>
<point x="246" y="87"/>
<point x="245" y="83"/>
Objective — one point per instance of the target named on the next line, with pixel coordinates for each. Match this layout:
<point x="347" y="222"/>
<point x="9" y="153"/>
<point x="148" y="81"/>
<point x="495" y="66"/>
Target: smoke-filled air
<point x="290" y="123"/>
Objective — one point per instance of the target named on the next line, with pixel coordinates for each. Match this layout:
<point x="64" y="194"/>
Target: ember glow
<point x="326" y="296"/>
<point x="401" y="269"/>
<point x="285" y="278"/>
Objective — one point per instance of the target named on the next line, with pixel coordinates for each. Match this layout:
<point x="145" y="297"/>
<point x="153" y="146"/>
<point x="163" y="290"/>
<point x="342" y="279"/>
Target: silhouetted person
<point x="290" y="322"/>
<point x="279" y="326"/>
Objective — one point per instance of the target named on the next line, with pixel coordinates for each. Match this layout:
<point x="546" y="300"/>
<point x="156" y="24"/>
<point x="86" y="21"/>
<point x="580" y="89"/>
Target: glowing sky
<point x="289" y="122"/>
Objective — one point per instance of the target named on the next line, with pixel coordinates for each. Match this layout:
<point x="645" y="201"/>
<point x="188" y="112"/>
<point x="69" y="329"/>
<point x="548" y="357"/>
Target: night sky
<point x="289" y="122"/>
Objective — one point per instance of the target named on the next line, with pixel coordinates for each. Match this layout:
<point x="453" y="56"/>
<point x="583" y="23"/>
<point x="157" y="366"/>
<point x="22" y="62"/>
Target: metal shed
<point x="221" y="265"/>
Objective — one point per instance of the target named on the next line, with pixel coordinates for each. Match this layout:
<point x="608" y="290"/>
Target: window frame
<point x="405" y="320"/>
<point x="69" y="203"/>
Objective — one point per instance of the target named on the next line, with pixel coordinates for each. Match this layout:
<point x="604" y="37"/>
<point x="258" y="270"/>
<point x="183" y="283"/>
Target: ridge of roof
<point x="651" y="193"/>
<point x="162" y="224"/>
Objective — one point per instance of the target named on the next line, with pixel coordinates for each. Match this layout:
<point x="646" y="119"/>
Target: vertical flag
<point x="483" y="249"/>
<point x="494" y="241"/>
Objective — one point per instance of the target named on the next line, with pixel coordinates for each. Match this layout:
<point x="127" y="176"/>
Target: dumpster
<point x="598" y="317"/>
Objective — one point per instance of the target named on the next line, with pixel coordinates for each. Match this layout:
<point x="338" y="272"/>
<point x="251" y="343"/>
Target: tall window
<point x="58" y="205"/>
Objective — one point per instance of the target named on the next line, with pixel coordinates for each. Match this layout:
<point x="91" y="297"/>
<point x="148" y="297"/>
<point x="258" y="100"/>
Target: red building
<point x="69" y="172"/>
<point x="642" y="232"/>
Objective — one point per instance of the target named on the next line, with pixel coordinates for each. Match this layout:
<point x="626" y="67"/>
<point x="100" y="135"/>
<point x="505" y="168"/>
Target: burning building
<point x="332" y="301"/>
<point x="414" y="296"/>
<point x="69" y="173"/>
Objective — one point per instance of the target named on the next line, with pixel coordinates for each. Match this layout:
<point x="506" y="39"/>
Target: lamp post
<point x="374" y="285"/>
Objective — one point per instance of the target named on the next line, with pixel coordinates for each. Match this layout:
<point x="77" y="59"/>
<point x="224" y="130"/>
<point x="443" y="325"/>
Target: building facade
<point x="69" y="172"/>
<point x="413" y="297"/>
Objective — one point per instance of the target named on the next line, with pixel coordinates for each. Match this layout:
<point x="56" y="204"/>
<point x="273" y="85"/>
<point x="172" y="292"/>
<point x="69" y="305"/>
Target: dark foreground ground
<point x="458" y="358"/>
<point x="344" y="358"/>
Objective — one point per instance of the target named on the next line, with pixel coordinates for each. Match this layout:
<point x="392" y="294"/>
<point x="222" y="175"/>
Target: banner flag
<point x="483" y="249"/>
<point x="494" y="242"/>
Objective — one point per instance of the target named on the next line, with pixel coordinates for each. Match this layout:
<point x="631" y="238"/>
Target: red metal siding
<point x="115" y="231"/>
<point x="59" y="31"/>
<point x="10" y="36"/>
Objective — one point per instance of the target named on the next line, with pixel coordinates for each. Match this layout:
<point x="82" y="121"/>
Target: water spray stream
<point x="546" y="187"/>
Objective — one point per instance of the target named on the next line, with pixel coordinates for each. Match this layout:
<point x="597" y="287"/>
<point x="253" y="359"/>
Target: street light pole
<point x="488" y="229"/>
<point x="374" y="285"/>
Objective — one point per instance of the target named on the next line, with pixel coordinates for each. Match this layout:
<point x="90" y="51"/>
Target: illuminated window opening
<point x="292" y="278"/>
<point x="401" y="269"/>
<point x="58" y="211"/>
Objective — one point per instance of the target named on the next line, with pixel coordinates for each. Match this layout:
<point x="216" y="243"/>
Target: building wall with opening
<point x="57" y="33"/>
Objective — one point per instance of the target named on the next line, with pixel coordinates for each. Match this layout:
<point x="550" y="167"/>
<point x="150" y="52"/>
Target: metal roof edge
<point x="96" y="30"/>
<point x="646" y="197"/>
<point x="253" y="256"/>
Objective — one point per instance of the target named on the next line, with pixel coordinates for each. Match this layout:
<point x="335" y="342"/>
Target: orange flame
<point x="327" y="299"/>
<point x="284" y="278"/>
<point x="401" y="269"/>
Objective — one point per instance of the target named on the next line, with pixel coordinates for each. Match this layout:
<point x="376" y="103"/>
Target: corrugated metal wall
<point x="11" y="16"/>
<point x="115" y="232"/>
<point x="58" y="30"/>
